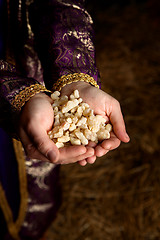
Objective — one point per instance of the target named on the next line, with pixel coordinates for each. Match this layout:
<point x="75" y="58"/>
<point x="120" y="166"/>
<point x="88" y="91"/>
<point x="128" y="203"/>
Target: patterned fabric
<point x="46" y="40"/>
<point x="75" y="77"/>
<point x="64" y="38"/>
<point x="44" y="198"/>
<point x="23" y="96"/>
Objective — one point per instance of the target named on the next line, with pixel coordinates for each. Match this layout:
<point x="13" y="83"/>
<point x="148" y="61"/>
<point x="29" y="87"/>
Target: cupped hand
<point x="36" y="119"/>
<point x="107" y="106"/>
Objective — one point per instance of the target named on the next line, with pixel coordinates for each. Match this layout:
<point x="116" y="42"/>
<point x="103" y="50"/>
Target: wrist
<point x="69" y="88"/>
<point x="25" y="95"/>
<point x="73" y="78"/>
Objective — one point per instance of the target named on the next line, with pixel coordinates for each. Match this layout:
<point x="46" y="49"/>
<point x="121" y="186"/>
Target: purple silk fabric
<point x="8" y="164"/>
<point x="55" y="40"/>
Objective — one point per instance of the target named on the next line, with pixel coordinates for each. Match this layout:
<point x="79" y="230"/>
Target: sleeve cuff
<point x="75" y="77"/>
<point x="23" y="96"/>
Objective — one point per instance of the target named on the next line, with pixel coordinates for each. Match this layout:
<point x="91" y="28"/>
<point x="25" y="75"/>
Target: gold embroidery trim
<point x="14" y="227"/>
<point x="75" y="77"/>
<point x="8" y="214"/>
<point x="23" y="96"/>
<point x="19" y="152"/>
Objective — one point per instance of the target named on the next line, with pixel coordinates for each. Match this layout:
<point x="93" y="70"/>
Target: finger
<point x="107" y="145"/>
<point x="92" y="144"/>
<point x="30" y="149"/>
<point x="83" y="162"/>
<point x="73" y="154"/>
<point x="100" y="151"/>
<point x="117" y="121"/>
<point x="69" y="153"/>
<point x="43" y="143"/>
<point x="91" y="160"/>
<point x="112" y="143"/>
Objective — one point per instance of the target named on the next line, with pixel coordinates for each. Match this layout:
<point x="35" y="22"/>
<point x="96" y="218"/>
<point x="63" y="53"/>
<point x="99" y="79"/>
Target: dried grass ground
<point x="118" y="198"/>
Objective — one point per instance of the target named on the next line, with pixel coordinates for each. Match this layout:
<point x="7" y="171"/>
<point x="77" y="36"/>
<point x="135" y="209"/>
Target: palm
<point x="99" y="101"/>
<point x="36" y="120"/>
<point x="108" y="107"/>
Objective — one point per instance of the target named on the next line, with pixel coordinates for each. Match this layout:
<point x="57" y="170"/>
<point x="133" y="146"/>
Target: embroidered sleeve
<point x="75" y="77"/>
<point x="64" y="39"/>
<point x="23" y="96"/>
<point x="15" y="90"/>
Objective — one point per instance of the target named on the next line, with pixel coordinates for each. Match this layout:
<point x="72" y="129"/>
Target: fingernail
<point x="51" y="155"/>
<point x="127" y="137"/>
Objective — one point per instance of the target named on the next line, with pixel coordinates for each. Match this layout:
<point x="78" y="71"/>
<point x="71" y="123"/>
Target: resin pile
<point x="75" y="122"/>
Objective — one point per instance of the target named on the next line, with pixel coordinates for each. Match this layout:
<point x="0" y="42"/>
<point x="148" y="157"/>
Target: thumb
<point x="44" y="144"/>
<point x="118" y="124"/>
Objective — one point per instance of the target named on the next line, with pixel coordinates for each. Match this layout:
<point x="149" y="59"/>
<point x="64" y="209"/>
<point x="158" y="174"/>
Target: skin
<point x="37" y="118"/>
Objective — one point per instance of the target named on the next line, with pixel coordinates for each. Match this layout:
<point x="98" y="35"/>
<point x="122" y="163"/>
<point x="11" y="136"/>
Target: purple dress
<point x="46" y="39"/>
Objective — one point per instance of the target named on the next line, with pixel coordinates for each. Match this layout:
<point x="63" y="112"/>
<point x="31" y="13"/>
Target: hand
<point x="107" y="106"/>
<point x="36" y="120"/>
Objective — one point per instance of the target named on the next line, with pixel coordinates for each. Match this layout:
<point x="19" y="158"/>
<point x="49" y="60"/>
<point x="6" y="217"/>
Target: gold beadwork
<point x="75" y="77"/>
<point x="24" y="95"/>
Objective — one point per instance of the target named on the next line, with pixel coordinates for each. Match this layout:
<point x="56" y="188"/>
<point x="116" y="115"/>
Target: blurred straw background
<point x="119" y="196"/>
